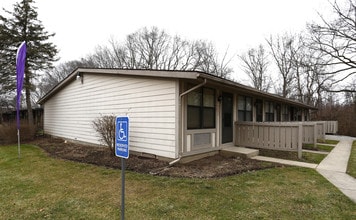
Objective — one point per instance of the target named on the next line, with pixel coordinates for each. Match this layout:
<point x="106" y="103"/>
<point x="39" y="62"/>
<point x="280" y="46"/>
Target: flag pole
<point x="20" y="70"/>
<point x="18" y="143"/>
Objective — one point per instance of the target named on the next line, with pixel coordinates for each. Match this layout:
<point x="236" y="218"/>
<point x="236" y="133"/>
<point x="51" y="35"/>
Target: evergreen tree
<point x="21" y="25"/>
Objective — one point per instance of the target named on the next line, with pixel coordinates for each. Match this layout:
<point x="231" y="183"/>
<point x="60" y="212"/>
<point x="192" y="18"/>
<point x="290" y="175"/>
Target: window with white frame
<point x="201" y="109"/>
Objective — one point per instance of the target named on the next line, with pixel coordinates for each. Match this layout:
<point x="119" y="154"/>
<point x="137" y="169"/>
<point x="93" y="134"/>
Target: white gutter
<point x="192" y="89"/>
<point x="182" y="116"/>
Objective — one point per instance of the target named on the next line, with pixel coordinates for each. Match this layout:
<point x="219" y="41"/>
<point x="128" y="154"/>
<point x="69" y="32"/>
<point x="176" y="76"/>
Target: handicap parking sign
<point x="122" y="137"/>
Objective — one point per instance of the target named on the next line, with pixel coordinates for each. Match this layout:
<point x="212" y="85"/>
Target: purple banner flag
<point x="20" y="70"/>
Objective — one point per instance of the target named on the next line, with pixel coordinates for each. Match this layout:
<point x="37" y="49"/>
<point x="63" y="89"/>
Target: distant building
<point x="9" y="116"/>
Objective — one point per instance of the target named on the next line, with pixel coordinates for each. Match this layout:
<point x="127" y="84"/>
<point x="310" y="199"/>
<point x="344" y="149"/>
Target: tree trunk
<point x="28" y="104"/>
<point x="29" y="107"/>
<point x="0" y="114"/>
<point x="284" y="87"/>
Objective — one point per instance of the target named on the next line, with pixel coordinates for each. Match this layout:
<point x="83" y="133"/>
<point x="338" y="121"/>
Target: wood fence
<point x="330" y="127"/>
<point x="285" y="136"/>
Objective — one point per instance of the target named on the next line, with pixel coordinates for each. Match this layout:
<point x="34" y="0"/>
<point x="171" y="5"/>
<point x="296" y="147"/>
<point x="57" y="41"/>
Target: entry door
<point x="227" y="119"/>
<point x="259" y="110"/>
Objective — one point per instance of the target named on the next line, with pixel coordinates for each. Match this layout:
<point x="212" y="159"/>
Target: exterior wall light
<point x="80" y="76"/>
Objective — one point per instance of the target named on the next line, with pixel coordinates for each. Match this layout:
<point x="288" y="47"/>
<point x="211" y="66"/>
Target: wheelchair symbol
<point x="122" y="131"/>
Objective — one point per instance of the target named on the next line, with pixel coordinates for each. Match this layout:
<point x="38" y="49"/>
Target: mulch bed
<point x="209" y="167"/>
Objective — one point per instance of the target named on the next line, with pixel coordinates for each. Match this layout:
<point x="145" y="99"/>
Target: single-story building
<point x="172" y="113"/>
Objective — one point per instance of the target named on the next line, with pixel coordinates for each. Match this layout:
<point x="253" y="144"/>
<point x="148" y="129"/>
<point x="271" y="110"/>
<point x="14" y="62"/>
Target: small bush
<point x="105" y="126"/>
<point x="8" y="133"/>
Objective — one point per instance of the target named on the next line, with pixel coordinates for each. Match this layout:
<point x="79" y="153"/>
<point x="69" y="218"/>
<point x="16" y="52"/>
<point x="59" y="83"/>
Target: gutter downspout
<point x="192" y="89"/>
<point x="182" y="116"/>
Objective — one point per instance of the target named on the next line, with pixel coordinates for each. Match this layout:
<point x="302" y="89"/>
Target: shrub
<point x="105" y="126"/>
<point x="8" y="133"/>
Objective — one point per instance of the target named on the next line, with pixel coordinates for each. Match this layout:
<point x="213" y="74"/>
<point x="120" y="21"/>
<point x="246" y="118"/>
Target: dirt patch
<point x="209" y="167"/>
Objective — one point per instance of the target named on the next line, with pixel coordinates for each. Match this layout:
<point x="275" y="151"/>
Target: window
<point x="201" y="109"/>
<point x="244" y="106"/>
<point x="278" y="112"/>
<point x="306" y="115"/>
<point x="299" y="114"/>
<point x="295" y="114"/>
<point x="269" y="111"/>
<point x="285" y="113"/>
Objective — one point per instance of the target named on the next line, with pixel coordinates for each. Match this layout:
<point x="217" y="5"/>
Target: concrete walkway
<point x="286" y="162"/>
<point x="334" y="166"/>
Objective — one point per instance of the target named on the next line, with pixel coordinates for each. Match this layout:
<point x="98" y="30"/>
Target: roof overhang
<point x="192" y="75"/>
<point x="129" y="72"/>
<point x="252" y="91"/>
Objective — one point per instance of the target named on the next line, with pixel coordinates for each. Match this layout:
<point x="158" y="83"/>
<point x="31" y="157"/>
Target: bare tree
<point x="301" y="67"/>
<point x="144" y="49"/>
<point x="179" y="55"/>
<point x="307" y="65"/>
<point x="155" y="49"/>
<point x="118" y="54"/>
<point x="312" y="82"/>
<point x="254" y="64"/>
<point x="205" y="58"/>
<point x="102" y="57"/>
<point x="53" y="76"/>
<point x="282" y="55"/>
<point x="336" y="39"/>
<point x="147" y="48"/>
<point x="350" y="97"/>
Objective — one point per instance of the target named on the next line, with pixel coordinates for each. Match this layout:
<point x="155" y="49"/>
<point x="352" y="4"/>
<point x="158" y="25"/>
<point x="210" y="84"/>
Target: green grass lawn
<point x="322" y="145"/>
<point x="307" y="157"/>
<point x="39" y="187"/>
<point x="312" y="157"/>
<point x="319" y="147"/>
<point x="328" y="141"/>
<point x="351" y="168"/>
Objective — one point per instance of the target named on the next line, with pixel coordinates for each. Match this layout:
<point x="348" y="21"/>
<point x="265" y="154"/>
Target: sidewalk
<point x="334" y="166"/>
<point x="286" y="162"/>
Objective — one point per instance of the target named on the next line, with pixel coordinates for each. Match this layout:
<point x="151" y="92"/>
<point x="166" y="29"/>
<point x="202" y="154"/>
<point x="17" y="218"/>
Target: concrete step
<point x="239" y="151"/>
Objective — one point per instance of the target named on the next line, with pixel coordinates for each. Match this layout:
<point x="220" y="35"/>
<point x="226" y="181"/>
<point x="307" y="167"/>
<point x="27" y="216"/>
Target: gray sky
<point x="81" y="25"/>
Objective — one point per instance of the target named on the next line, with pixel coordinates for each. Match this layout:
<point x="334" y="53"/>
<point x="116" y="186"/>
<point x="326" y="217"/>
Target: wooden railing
<point x="285" y="136"/>
<point x="330" y="127"/>
<point x="313" y="131"/>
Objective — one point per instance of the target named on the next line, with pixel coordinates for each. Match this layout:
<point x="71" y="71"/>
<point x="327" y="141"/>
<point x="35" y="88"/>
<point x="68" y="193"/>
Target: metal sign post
<point x="123" y="188"/>
<point x="122" y="150"/>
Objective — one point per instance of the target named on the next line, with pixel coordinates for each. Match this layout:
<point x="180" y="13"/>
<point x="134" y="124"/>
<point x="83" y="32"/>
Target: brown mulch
<point x="209" y="167"/>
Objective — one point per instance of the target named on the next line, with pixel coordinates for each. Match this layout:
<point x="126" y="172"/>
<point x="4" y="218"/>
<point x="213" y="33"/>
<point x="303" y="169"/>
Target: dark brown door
<point x="259" y="110"/>
<point x="227" y="119"/>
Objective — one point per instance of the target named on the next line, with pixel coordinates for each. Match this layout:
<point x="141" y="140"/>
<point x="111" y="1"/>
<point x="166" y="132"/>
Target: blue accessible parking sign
<point x="122" y="137"/>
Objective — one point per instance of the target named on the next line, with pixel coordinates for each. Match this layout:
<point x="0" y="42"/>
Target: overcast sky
<point x="80" y="25"/>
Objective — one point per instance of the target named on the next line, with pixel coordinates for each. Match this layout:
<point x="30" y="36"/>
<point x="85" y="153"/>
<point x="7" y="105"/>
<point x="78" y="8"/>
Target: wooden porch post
<point x="300" y="139"/>
<point x="315" y="134"/>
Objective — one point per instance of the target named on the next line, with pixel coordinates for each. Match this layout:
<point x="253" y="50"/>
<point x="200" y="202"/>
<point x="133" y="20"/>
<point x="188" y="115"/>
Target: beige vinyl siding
<point x="150" y="104"/>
